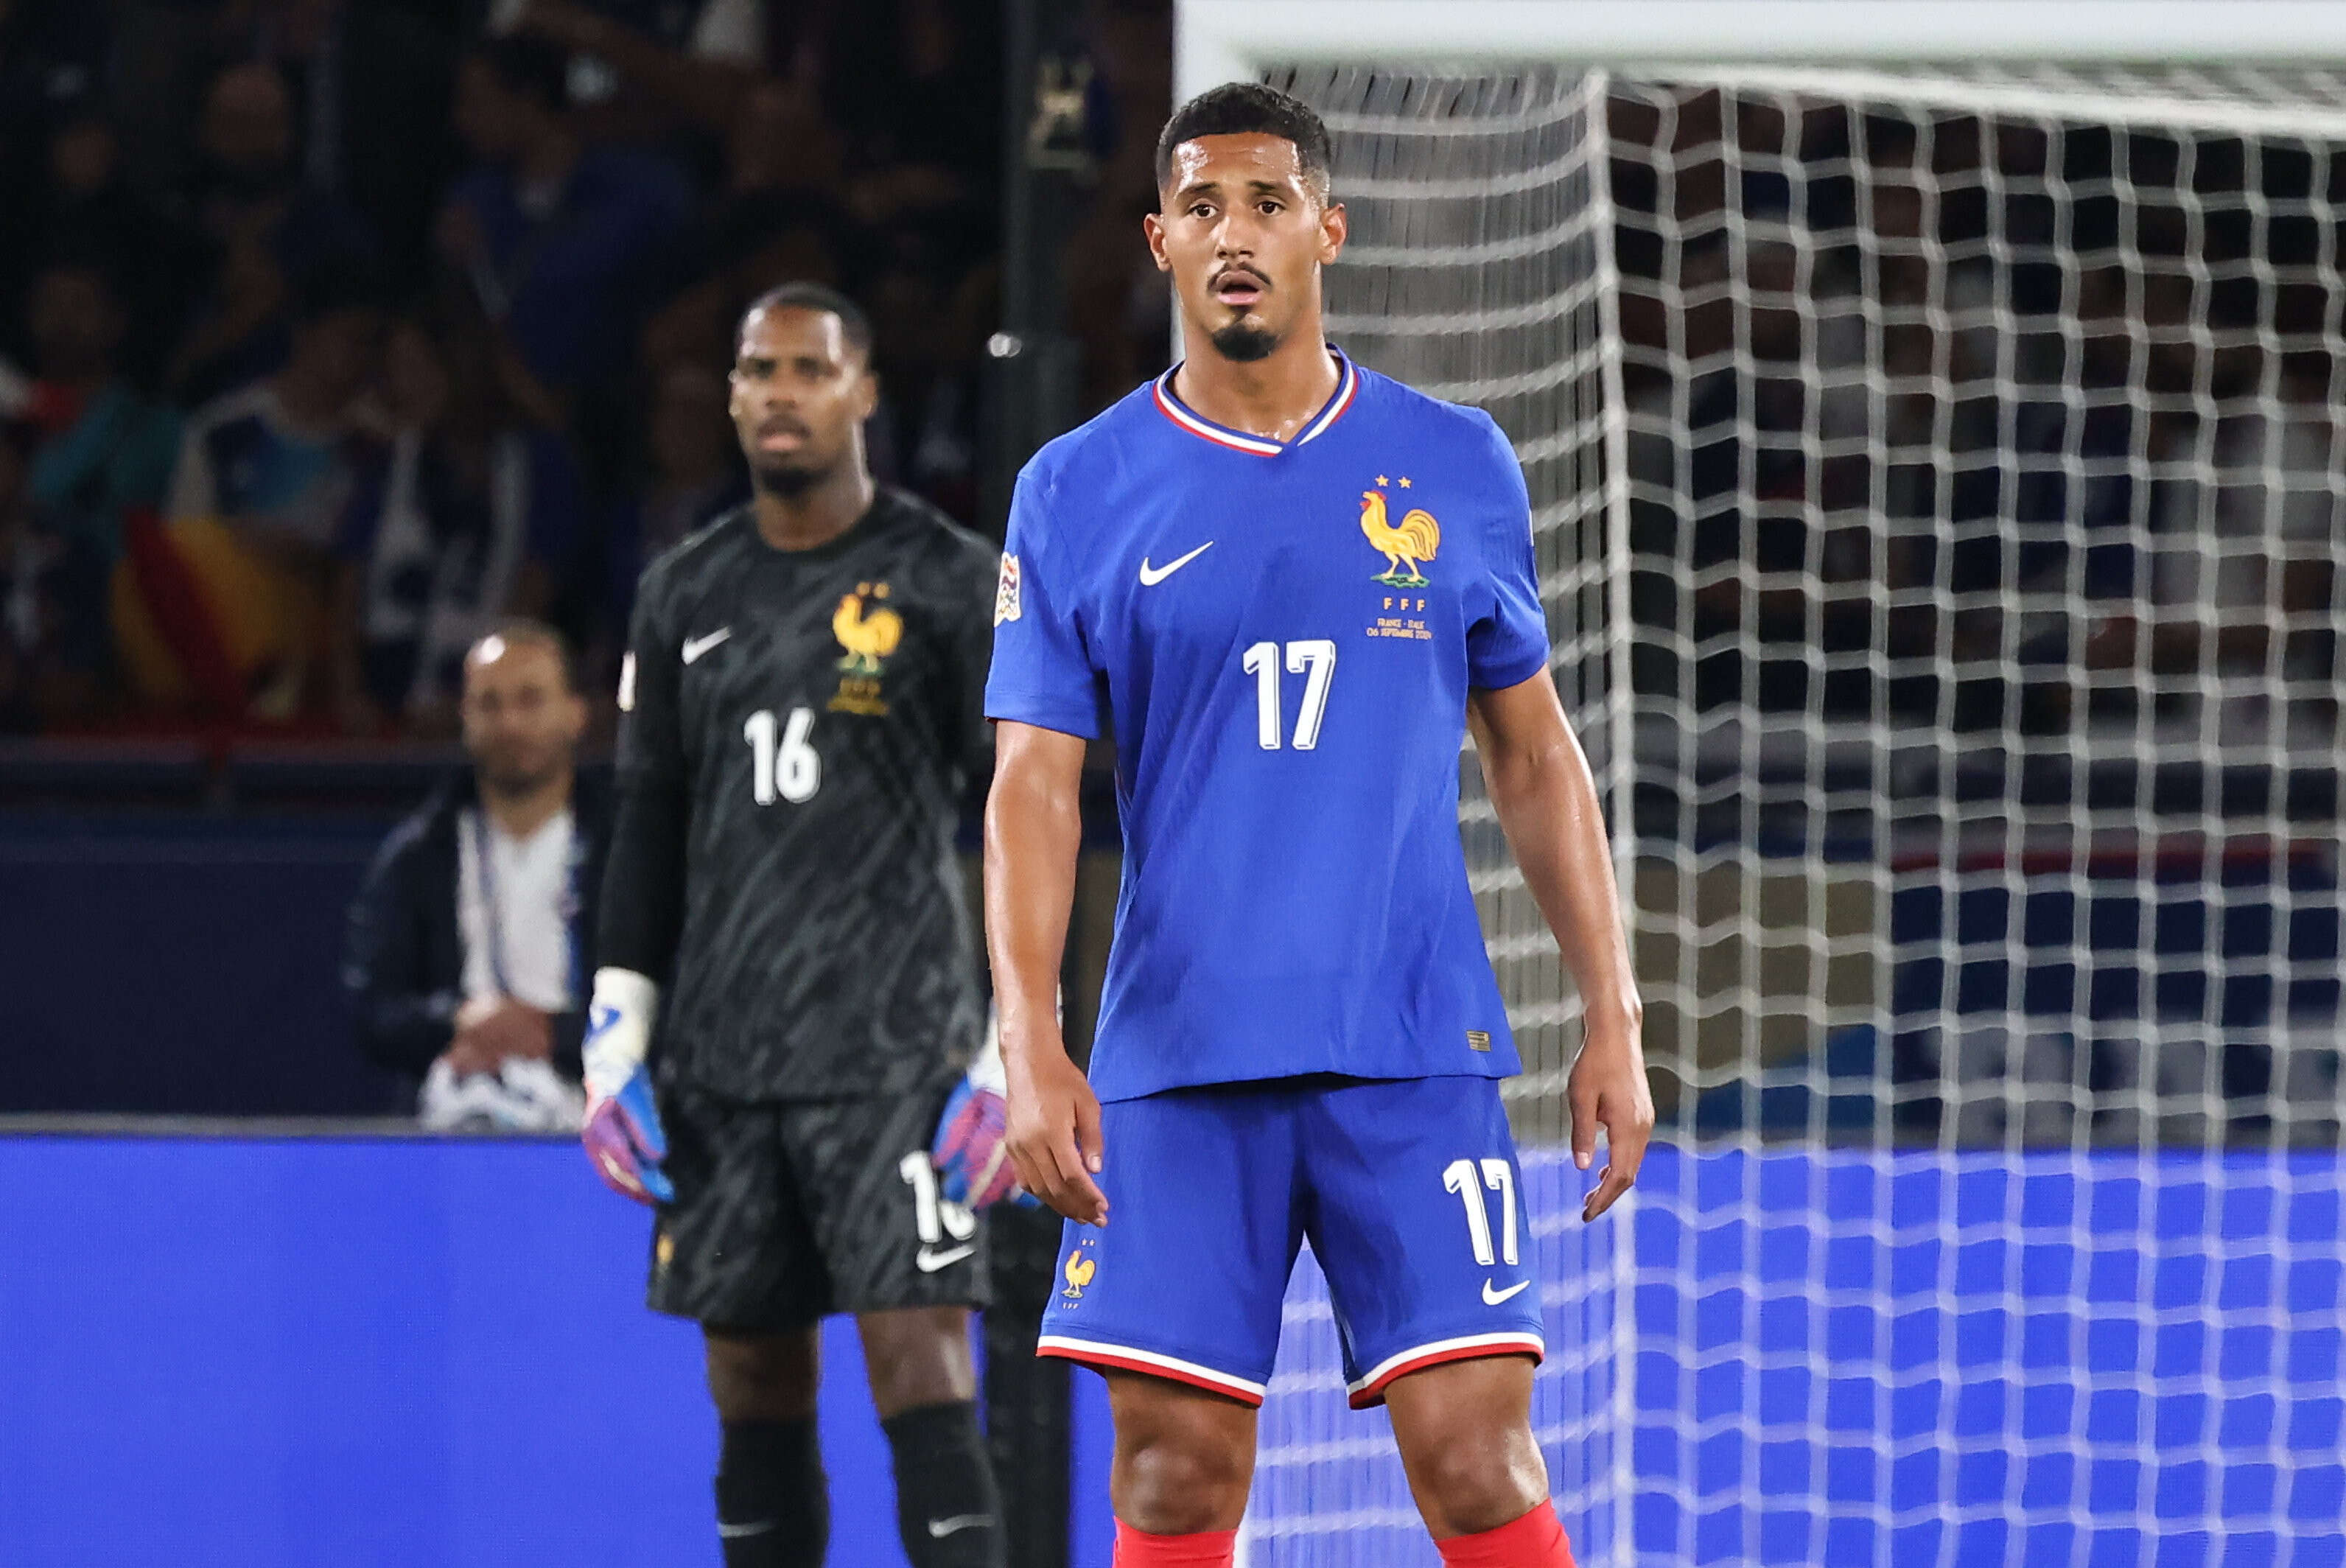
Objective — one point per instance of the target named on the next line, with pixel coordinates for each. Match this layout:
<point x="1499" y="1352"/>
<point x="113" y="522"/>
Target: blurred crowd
<point x="333" y="332"/>
<point x="1982" y="425"/>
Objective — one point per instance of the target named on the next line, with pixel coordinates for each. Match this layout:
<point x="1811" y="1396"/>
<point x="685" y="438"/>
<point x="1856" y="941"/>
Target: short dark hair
<point x="852" y="322"/>
<point x="529" y="67"/>
<point x="1250" y="108"/>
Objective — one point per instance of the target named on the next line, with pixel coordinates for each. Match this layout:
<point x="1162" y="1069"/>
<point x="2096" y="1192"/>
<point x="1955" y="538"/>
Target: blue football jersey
<point x="1284" y="634"/>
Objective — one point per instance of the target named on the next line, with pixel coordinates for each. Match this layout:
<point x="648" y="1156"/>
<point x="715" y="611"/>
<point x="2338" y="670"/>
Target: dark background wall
<point x="181" y="963"/>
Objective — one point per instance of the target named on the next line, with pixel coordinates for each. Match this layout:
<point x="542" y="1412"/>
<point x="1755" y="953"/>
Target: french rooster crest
<point x="1405" y="547"/>
<point x="867" y="633"/>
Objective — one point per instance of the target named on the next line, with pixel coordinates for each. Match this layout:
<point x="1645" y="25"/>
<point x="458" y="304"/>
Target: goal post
<point x="1929" y="416"/>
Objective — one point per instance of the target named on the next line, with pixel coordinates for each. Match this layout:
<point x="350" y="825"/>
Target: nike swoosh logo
<point x="694" y="647"/>
<point x="929" y="1262"/>
<point x="1492" y="1298"/>
<point x="1152" y="575"/>
<point x="941" y="1528"/>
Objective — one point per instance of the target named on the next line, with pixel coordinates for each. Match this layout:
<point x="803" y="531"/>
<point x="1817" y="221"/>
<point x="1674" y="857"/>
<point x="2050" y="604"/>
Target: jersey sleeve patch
<point x="1006" y="596"/>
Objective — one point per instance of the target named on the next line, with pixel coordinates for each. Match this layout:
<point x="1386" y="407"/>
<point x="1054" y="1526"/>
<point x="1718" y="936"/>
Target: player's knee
<point x="917" y="1357"/>
<point x="1478" y="1477"/>
<point x="762" y="1377"/>
<point x="1181" y="1477"/>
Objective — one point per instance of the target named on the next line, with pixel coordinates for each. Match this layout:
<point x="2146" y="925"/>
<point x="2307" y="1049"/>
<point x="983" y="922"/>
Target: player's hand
<point x="971" y="1151"/>
<point x="1054" y="1135"/>
<point x="1608" y="1089"/>
<point x="622" y="1132"/>
<point x="624" y="1138"/>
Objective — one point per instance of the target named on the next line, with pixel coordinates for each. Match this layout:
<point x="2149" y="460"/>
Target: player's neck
<point x="1272" y="397"/>
<point x="518" y="813"/>
<point x="818" y="514"/>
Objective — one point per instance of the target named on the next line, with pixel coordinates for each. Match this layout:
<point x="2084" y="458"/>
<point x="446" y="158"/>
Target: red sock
<point x="1207" y="1549"/>
<point x="1535" y="1541"/>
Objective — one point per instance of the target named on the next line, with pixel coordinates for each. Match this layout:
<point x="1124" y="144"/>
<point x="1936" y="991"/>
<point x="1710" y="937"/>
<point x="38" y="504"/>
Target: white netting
<point x="1940" y="495"/>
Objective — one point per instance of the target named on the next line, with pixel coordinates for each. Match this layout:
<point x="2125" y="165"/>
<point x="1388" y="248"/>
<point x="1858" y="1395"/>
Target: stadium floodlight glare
<point x="1930" y="416"/>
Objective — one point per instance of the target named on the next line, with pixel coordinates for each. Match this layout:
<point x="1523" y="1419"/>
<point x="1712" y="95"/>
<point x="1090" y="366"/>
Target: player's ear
<point x="1152" y="225"/>
<point x="1335" y="228"/>
<point x="867" y="393"/>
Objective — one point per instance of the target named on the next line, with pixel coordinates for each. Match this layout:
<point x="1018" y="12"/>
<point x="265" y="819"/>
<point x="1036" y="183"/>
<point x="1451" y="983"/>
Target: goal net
<point x="1938" y="495"/>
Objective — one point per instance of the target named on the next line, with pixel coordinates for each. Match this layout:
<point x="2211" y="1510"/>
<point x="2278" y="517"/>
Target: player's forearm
<point x="1033" y="832"/>
<point x="1547" y="806"/>
<point x="641" y="911"/>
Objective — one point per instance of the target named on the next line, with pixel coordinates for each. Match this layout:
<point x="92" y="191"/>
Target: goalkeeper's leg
<point x="1464" y="1431"/>
<point x="948" y="1509"/>
<point x="773" y="1509"/>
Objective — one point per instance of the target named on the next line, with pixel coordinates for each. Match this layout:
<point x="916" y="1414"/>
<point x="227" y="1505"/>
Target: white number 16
<point x="1459" y="1176"/>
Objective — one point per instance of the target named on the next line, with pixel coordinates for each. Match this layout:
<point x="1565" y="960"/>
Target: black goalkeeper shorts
<point x="787" y="1212"/>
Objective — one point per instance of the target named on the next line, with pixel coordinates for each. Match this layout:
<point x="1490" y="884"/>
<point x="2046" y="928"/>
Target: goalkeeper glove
<point x="622" y="1131"/>
<point x="971" y="1153"/>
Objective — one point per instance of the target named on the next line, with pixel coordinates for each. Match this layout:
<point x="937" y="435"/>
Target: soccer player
<point x="801" y="715"/>
<point x="1297" y="583"/>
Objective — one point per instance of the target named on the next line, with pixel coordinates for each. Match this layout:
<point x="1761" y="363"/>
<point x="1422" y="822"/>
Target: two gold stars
<point x="1382" y="481"/>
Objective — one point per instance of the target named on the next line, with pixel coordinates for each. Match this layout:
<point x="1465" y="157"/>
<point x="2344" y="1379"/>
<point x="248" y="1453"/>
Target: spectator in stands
<point x="268" y="232"/>
<point x="554" y="240"/>
<point x="82" y="207"/>
<point x="53" y="643"/>
<point x="469" y="945"/>
<point x="264" y="478"/>
<point x="100" y="450"/>
<point x="2243" y="572"/>
<point x="371" y="84"/>
<point x="468" y="515"/>
<point x="695" y="477"/>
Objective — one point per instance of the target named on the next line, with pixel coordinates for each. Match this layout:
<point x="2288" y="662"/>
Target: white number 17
<point x="1313" y="657"/>
<point x="1459" y="1176"/>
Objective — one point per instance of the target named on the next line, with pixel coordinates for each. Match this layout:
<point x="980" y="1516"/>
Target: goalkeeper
<point x="801" y="713"/>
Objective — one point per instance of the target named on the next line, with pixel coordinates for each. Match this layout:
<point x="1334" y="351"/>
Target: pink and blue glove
<point x="622" y="1132"/>
<point x="971" y="1153"/>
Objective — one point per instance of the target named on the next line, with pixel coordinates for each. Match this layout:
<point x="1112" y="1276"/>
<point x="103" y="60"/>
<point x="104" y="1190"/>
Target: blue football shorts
<point x="1407" y="1189"/>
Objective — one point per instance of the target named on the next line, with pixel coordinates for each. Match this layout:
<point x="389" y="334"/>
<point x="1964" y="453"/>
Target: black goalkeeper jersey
<point x="799" y="729"/>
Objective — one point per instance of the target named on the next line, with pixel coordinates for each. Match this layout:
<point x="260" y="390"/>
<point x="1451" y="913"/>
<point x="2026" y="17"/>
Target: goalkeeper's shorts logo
<point x="1081" y="1266"/>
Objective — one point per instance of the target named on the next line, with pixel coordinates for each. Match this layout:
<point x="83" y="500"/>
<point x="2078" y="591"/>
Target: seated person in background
<point x="256" y="506"/>
<point x="464" y="517"/>
<point x="693" y="476"/>
<point x="262" y="229"/>
<point x="556" y="241"/>
<point x="469" y="943"/>
<point x="100" y="448"/>
<point x="53" y="645"/>
<point x="2244" y="544"/>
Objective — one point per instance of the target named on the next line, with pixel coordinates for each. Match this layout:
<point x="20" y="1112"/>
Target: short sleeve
<point x="1509" y="645"/>
<point x="651" y="736"/>
<point x="1041" y="674"/>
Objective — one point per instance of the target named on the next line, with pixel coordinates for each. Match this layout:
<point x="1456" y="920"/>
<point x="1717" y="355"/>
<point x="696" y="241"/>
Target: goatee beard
<point x="1244" y="343"/>
<point x="786" y="483"/>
